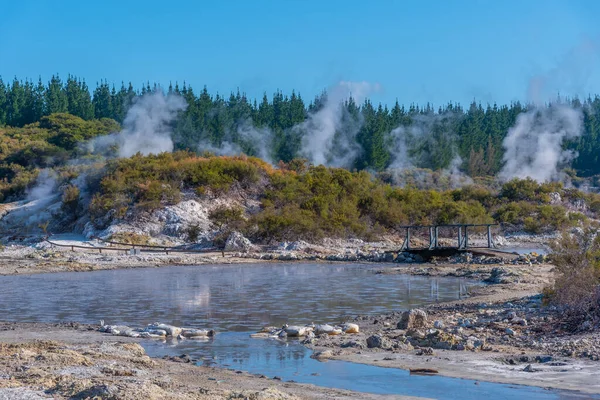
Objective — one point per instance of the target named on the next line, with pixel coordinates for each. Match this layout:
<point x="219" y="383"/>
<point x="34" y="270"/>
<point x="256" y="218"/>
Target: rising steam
<point x="147" y="126"/>
<point x="534" y="146"/>
<point x="324" y="141"/>
<point x="250" y="139"/>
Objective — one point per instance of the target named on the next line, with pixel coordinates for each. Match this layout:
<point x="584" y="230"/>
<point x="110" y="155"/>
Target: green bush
<point x="225" y="217"/>
<point x="70" y="201"/>
<point x="193" y="232"/>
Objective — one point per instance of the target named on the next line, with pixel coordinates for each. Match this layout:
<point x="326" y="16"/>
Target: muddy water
<point x="225" y="298"/>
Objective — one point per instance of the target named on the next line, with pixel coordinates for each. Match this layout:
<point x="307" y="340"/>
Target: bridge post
<point x="430" y="237"/>
<point x="489" y="232"/>
<point x="407" y="238"/>
<point x="437" y="231"/>
<point x="466" y="237"/>
<point x="459" y="237"/>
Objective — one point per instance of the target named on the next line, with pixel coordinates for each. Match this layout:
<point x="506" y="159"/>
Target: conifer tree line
<point x="474" y="133"/>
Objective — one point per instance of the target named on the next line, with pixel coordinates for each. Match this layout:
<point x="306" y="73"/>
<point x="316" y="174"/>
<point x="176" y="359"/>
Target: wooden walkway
<point x="128" y="248"/>
<point x="461" y="231"/>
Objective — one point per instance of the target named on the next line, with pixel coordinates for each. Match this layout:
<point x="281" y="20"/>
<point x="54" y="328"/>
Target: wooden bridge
<point x="434" y="247"/>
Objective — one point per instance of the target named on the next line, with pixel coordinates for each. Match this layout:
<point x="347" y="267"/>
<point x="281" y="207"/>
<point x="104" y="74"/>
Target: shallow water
<point x="225" y="298"/>
<point x="539" y="249"/>
<point x="289" y="360"/>
<point x="238" y="299"/>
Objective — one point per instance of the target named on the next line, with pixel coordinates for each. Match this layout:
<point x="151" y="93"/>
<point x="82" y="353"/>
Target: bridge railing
<point x="462" y="235"/>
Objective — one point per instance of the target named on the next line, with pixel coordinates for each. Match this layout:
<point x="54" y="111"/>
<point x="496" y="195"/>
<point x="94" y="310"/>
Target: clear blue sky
<point x="417" y="51"/>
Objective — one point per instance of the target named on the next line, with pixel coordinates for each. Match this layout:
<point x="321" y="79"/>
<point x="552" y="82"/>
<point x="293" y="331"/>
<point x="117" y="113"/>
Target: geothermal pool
<point x="236" y="300"/>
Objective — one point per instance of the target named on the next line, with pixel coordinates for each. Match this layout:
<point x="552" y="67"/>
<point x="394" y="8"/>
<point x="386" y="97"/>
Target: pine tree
<point x="102" y="101"/>
<point x="56" y="97"/>
<point x="3" y="102"/>
<point x="16" y="104"/>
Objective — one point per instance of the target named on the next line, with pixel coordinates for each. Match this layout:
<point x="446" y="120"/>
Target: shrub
<point x="193" y="233"/>
<point x="577" y="259"/>
<point x="70" y="201"/>
<point x="130" y="238"/>
<point x="528" y="189"/>
<point x="227" y="217"/>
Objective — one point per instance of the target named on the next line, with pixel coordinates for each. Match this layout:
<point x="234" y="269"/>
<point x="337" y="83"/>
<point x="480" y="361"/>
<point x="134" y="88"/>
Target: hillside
<point x="182" y="197"/>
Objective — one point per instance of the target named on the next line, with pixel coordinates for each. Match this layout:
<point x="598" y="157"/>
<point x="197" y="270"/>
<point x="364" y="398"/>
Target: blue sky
<point x="436" y="51"/>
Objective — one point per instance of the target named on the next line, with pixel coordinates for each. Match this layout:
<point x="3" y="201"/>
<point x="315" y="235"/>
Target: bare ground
<point x="73" y="361"/>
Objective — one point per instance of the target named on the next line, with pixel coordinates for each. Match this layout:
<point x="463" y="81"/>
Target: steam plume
<point x="147" y="126"/>
<point x="534" y="146"/>
<point x="320" y="141"/>
<point x="257" y="141"/>
<point x="43" y="190"/>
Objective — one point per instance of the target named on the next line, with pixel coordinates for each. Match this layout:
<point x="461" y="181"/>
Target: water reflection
<point x="291" y="361"/>
<point x="226" y="298"/>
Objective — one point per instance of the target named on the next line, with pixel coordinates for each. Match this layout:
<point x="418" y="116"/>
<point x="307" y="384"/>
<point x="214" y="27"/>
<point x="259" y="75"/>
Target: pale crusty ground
<point x="74" y="361"/>
<point x="565" y="372"/>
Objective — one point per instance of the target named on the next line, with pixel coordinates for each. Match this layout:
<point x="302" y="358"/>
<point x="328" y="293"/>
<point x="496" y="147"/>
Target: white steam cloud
<point x="43" y="191"/>
<point x="429" y="142"/>
<point x="328" y="134"/>
<point x="321" y="142"/>
<point x="147" y="126"/>
<point x="534" y="146"/>
<point x="257" y="139"/>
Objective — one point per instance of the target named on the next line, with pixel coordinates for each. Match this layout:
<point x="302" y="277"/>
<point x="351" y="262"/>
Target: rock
<point x="322" y="355"/>
<point x="388" y="257"/>
<point x="425" y="351"/>
<point x="192" y="333"/>
<point x="498" y="275"/>
<point x="297" y="331"/>
<point x="520" y="321"/>
<point x="555" y="198"/>
<point x="586" y="325"/>
<point x="511" y="315"/>
<point x="438" y="324"/>
<point x="353" y="344"/>
<point x="415" y="333"/>
<point x="184" y="358"/>
<point x="324" y="329"/>
<point x="297" y="246"/>
<point x="543" y="359"/>
<point x="465" y="323"/>
<point x="169" y="329"/>
<point x="349" y="328"/>
<point x="529" y="368"/>
<point x="378" y="342"/>
<point x="308" y="340"/>
<point x="509" y="332"/>
<point x="474" y="343"/>
<point x="237" y="242"/>
<point x="414" y="318"/>
<point x="417" y="258"/>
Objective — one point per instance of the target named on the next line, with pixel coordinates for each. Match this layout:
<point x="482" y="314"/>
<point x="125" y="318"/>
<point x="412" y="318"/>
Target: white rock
<point x="237" y="242"/>
<point x="349" y="328"/>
